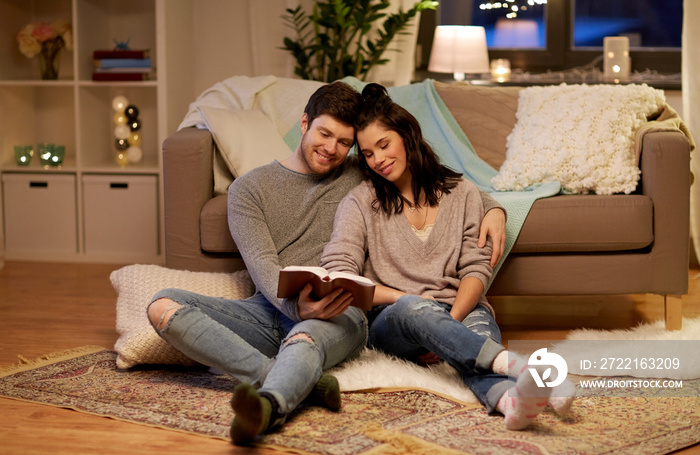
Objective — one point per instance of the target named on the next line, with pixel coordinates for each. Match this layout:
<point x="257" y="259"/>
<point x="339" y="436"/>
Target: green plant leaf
<point x="334" y="40"/>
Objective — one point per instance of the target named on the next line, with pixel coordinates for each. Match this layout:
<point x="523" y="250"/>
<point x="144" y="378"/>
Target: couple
<point x="282" y="214"/>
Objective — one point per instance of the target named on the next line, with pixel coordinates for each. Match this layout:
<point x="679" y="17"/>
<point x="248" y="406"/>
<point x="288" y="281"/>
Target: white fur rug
<point x="653" y="331"/>
<point x="374" y="369"/>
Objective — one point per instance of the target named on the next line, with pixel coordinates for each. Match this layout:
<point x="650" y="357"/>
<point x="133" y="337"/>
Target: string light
<point x="512" y="7"/>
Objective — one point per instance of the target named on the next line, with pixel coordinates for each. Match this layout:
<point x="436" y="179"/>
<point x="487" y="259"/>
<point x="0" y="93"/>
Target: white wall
<point x="240" y="38"/>
<point x="243" y="37"/>
<point x="221" y="41"/>
<point x="675" y="99"/>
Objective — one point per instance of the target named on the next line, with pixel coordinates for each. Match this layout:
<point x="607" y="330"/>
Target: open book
<point x="293" y="278"/>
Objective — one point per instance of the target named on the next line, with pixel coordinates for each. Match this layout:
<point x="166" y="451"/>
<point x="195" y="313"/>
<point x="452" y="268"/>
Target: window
<point x="511" y="24"/>
<point x="564" y="34"/>
<point x="649" y="24"/>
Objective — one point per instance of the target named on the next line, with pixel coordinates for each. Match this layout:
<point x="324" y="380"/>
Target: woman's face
<point x="385" y="153"/>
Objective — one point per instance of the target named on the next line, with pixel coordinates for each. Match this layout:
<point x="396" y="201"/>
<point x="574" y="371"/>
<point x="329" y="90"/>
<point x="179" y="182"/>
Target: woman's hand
<point x="494" y="225"/>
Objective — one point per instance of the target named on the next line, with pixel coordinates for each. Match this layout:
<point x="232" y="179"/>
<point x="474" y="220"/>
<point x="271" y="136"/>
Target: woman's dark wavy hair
<point x="427" y="173"/>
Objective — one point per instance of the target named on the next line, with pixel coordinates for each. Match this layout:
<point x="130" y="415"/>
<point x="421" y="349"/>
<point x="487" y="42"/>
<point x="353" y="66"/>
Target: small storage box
<point x="40" y="214"/>
<point x="121" y="214"/>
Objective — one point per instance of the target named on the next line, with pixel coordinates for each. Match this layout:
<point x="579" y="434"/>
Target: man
<point x="282" y="214"/>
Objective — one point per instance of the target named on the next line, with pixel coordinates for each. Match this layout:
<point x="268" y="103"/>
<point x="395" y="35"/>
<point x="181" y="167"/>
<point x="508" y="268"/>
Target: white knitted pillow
<point x="579" y="135"/>
<point x="138" y="342"/>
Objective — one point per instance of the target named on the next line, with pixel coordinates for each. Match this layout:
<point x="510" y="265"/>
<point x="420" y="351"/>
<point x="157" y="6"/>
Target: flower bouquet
<point x="46" y="40"/>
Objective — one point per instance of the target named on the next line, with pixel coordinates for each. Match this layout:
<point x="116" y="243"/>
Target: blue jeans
<point x="414" y="326"/>
<point x="248" y="340"/>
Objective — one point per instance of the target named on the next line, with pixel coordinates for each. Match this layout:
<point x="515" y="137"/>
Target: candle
<point x="616" y="58"/>
<point x="500" y="69"/>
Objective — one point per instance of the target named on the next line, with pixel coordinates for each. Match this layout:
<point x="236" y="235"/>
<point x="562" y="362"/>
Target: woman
<point x="413" y="228"/>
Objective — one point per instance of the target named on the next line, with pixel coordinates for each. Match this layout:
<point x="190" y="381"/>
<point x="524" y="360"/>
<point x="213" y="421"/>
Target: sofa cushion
<point x="485" y="114"/>
<point x="138" y="342"/>
<point x="213" y="226"/>
<point x="579" y="223"/>
<point x="245" y="140"/>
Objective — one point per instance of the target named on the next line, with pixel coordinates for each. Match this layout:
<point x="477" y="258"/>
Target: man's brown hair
<point x="337" y="99"/>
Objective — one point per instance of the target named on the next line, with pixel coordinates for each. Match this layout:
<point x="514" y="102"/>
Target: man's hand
<point x="494" y="225"/>
<point x="429" y="358"/>
<point x="332" y="305"/>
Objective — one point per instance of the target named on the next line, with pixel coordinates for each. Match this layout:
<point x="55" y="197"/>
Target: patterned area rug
<point x="386" y="421"/>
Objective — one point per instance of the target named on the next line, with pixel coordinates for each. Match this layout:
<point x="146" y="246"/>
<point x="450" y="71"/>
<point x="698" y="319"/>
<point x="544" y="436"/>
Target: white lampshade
<point x="459" y="49"/>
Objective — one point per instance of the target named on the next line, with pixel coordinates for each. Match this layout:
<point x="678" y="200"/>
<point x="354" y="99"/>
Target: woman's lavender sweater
<point x="385" y="249"/>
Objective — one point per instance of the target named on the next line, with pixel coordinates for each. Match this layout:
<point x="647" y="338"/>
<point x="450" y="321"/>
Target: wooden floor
<point x="47" y="307"/>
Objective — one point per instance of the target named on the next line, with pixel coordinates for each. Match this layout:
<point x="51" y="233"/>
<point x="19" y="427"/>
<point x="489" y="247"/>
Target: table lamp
<point x="460" y="50"/>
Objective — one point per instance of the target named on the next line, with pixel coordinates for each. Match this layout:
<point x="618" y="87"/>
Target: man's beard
<point x="310" y="159"/>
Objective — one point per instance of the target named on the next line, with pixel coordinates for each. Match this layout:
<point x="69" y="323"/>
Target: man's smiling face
<point x="325" y="143"/>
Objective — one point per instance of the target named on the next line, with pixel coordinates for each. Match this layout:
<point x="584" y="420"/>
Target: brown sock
<point x="252" y="414"/>
<point x="326" y="393"/>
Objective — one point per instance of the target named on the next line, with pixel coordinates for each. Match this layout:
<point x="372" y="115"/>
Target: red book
<point x="129" y="53"/>
<point x="121" y="76"/>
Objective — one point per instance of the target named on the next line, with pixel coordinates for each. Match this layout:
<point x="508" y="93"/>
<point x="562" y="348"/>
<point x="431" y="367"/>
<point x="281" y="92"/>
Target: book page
<point x="350" y="276"/>
<point x="320" y="271"/>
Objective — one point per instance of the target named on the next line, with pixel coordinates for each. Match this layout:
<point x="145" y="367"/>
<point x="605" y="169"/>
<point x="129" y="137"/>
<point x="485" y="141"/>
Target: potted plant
<point x="339" y="37"/>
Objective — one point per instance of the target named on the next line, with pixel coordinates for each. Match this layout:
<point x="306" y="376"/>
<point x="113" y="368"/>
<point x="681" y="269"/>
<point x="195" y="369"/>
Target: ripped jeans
<point x="248" y="340"/>
<point x="414" y="326"/>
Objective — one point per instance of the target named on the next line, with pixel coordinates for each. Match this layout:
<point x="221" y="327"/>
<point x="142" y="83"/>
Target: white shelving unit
<point x="77" y="112"/>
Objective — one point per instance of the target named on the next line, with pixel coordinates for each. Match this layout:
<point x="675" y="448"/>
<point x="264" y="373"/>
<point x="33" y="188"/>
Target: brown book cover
<point x="292" y="280"/>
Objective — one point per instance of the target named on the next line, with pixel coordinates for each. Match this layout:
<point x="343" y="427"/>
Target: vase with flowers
<point x="46" y="40"/>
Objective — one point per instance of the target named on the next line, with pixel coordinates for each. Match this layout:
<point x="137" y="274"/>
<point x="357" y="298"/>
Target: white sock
<point x="508" y="363"/>
<point x="562" y="396"/>
<point x="523" y="402"/>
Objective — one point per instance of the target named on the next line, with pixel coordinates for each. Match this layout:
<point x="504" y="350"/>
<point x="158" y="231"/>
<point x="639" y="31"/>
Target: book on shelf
<point x="123" y="63"/>
<point x="124" y="70"/>
<point x="99" y="54"/>
<point x="121" y="76"/>
<point x="292" y="280"/>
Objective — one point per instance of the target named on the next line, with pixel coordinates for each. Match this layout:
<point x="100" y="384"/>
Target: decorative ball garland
<point x="127" y="135"/>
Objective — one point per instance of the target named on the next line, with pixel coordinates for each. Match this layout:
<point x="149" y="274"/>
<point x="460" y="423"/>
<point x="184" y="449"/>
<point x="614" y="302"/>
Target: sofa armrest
<point x="666" y="179"/>
<point x="188" y="182"/>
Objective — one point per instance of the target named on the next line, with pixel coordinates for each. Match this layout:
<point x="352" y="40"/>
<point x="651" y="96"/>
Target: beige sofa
<point x="568" y="245"/>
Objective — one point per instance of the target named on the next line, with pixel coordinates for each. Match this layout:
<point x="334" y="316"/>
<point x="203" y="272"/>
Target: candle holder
<point x="51" y="155"/>
<point x="23" y="154"/>
<point x="58" y="155"/>
<point x="500" y="69"/>
<point x="616" y="58"/>
<point x="44" y="150"/>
